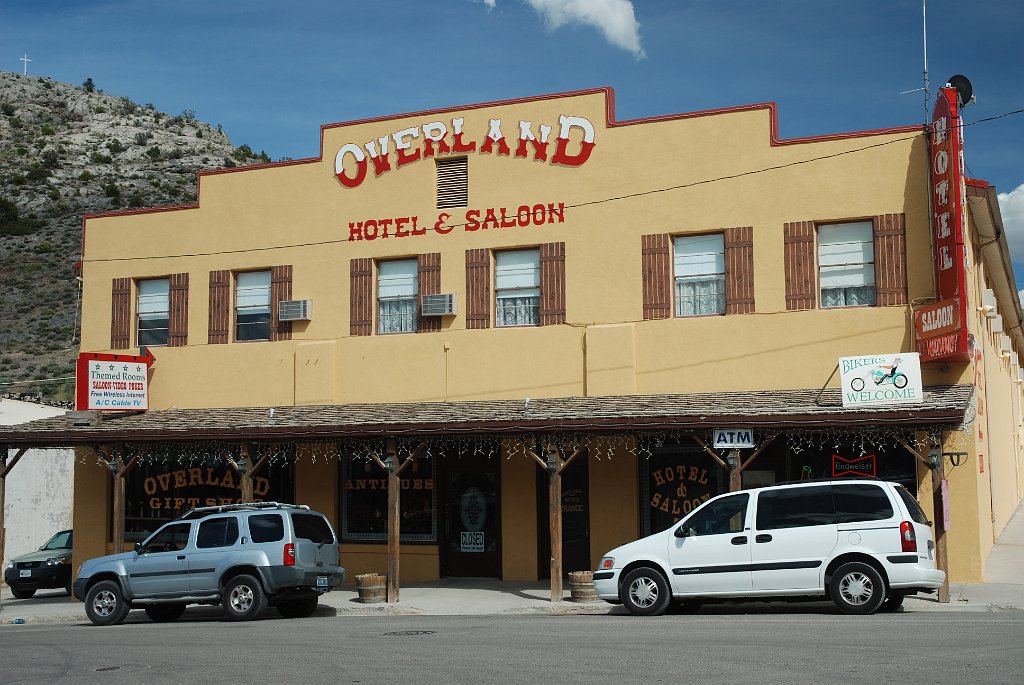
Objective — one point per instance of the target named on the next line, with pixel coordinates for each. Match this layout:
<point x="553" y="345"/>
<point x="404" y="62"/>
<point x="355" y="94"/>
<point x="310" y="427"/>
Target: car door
<point x="161" y="567"/>
<point x="714" y="554"/>
<point x="212" y="551"/>
<point x="794" y="534"/>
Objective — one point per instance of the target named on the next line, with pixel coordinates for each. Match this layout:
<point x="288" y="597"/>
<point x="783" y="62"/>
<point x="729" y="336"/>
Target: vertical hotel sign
<point x="941" y="328"/>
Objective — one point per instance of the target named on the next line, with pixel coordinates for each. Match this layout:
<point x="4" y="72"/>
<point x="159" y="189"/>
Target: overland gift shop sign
<point x="112" y="382"/>
<point x="881" y="380"/>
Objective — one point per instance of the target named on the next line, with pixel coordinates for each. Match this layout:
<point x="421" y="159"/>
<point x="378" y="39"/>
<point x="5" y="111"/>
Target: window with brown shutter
<point x="890" y="259"/>
<point x="120" y="313"/>
<point x="801" y="274"/>
<point x="178" y="325"/>
<point x="220" y="307"/>
<point x="452" y="182"/>
<point x="739" y="270"/>
<point x="552" y="283"/>
<point x="478" y="288"/>
<point x="657" y="276"/>
<point x="280" y="289"/>
<point x="429" y="266"/>
<point x="361" y="296"/>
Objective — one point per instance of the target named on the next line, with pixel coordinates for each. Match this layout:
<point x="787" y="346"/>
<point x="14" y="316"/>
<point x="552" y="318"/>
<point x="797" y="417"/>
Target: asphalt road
<point x="796" y="647"/>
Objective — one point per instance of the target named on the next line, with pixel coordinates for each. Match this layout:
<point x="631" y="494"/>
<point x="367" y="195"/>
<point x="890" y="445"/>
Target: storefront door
<point x="575" y="519"/>
<point x="471" y="546"/>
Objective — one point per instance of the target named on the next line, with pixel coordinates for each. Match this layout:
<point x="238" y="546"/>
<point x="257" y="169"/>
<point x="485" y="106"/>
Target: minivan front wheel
<point x="244" y="598"/>
<point x="645" y="592"/>
<point x="857" y="588"/>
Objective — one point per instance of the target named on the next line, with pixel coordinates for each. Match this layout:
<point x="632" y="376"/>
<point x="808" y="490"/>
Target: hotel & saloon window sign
<point x="881" y="379"/>
<point x="112" y="382"/>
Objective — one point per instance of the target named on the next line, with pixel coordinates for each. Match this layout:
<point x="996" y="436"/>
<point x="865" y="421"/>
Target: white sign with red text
<point x="109" y="384"/>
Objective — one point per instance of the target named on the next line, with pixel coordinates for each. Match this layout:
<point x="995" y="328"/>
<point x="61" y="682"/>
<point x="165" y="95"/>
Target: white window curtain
<point x="397" y="296"/>
<point x="700" y="275"/>
<point x="517" y="288"/>
<point x="252" y="305"/>
<point x="846" y="263"/>
<point x="153" y="308"/>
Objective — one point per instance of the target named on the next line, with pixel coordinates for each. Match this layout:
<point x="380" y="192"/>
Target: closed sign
<point x="472" y="541"/>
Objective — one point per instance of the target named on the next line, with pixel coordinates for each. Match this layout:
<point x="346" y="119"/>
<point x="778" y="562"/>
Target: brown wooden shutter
<point x="178" y="325"/>
<point x="452" y="182"/>
<point x="552" y="283"/>
<point x="478" y="288"/>
<point x="739" y="270"/>
<point x="890" y="259"/>
<point x="429" y="266"/>
<point x="220" y="307"/>
<point x="657" y="276"/>
<point x="800" y="266"/>
<point x="280" y="289"/>
<point x="361" y="297"/>
<point x="120" y="313"/>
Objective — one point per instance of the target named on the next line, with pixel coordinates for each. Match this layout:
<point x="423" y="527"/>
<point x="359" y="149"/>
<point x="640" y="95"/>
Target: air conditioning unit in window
<point x="438" y="305"/>
<point x="295" y="310"/>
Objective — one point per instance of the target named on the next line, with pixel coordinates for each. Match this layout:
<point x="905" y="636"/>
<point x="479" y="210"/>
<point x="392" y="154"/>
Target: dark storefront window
<point x="674" y="480"/>
<point x="851" y="456"/>
<point x="364" y="501"/>
<point x="158" y="492"/>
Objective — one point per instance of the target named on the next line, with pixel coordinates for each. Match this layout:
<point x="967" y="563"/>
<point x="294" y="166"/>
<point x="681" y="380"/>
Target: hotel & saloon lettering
<point x="487" y="297"/>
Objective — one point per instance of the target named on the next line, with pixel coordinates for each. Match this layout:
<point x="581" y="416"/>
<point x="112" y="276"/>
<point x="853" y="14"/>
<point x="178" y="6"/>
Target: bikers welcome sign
<point x="881" y="380"/>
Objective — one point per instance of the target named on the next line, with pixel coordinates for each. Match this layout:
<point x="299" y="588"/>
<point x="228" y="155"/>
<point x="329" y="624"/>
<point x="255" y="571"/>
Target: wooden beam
<point x="555" y="516"/>
<point x="707" y="448"/>
<point x="530" y="453"/>
<point x="757" y="453"/>
<point x="5" y="468"/>
<point x="394" y="521"/>
<point x="565" y="464"/>
<point x="924" y="460"/>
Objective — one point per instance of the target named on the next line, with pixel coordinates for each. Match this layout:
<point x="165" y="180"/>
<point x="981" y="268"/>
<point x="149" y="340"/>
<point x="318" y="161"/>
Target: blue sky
<point x="271" y="72"/>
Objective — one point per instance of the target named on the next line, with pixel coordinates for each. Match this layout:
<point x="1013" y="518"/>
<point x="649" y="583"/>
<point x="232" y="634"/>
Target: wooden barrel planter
<point x="372" y="588"/>
<point x="581" y="587"/>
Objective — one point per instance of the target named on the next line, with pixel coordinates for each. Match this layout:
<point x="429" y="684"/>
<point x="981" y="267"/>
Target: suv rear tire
<point x="244" y="598"/>
<point x="298" y="608"/>
<point x="893" y="602"/>
<point x="645" y="592"/>
<point x="105" y="605"/>
<point x="857" y="588"/>
<point x="165" y="613"/>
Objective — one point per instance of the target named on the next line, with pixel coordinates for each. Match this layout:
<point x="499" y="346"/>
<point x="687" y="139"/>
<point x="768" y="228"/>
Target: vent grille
<point x="438" y="305"/>
<point x="452" y="182"/>
<point x="295" y="310"/>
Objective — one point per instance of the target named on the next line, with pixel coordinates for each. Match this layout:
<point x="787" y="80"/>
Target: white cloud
<point x="1011" y="206"/>
<point x="613" y="18"/>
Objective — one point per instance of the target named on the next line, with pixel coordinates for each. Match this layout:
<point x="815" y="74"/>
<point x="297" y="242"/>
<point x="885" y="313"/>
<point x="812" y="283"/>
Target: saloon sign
<point x="408" y="145"/>
<point x="112" y="382"/>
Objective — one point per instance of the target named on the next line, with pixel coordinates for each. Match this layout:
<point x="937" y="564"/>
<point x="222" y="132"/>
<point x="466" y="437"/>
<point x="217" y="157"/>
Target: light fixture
<point x="552" y="464"/>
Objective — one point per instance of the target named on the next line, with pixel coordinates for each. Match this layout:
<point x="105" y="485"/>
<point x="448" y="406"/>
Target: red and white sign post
<point x="112" y="382"/>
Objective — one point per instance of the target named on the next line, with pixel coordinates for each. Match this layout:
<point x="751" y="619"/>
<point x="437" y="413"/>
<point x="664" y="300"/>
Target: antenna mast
<point x="924" y="32"/>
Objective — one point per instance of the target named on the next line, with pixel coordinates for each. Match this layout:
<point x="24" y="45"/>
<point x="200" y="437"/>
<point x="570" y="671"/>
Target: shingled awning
<point x="777" y="408"/>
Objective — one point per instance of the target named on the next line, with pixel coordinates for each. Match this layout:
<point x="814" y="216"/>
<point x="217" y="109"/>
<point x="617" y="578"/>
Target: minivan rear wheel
<point x="645" y="592"/>
<point x="857" y="588"/>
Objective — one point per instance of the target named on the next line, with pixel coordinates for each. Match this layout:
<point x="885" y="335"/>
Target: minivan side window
<point x="795" y="507"/>
<point x="726" y="515"/>
<point x="312" y="527"/>
<point x="221" y="532"/>
<point x="861" y="502"/>
<point x="266" y="527"/>
<point x="916" y="512"/>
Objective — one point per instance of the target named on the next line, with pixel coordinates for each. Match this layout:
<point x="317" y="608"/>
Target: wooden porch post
<point x="119" y="469"/>
<point x="248" y="468"/>
<point x="394" y="470"/>
<point x="935" y="469"/>
<point x="554" y="466"/>
<point x="5" y="468"/>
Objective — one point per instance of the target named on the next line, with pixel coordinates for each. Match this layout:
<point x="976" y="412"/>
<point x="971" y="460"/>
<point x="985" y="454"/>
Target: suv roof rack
<point x="199" y="512"/>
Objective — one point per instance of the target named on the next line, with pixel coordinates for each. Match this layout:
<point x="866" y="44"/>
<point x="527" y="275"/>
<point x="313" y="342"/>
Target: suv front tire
<point x="105" y="605"/>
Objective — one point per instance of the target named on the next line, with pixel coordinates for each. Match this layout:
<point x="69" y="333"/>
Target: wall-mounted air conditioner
<point x="1007" y="345"/>
<point x="295" y="310"/>
<point x="438" y="305"/>
<point x="997" y="323"/>
<point x="988" y="303"/>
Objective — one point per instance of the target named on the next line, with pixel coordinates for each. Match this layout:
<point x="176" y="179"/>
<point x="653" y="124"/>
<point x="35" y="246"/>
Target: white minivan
<point x="865" y="543"/>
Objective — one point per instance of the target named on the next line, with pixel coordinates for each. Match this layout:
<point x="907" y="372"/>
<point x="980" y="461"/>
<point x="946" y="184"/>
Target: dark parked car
<point x="49" y="567"/>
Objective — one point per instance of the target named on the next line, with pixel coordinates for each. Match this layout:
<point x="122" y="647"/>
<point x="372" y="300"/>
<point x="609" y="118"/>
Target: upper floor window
<point x="846" y="264"/>
<point x="153" y="308"/>
<point x="700" y="275"/>
<point x="252" y="305"/>
<point x="517" y="288"/>
<point x="397" y="296"/>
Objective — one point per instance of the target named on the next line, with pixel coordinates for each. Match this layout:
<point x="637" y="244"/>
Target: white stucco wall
<point x="39" y="488"/>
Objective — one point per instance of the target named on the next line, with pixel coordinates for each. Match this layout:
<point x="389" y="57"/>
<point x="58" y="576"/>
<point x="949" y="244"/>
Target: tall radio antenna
<point x="924" y="33"/>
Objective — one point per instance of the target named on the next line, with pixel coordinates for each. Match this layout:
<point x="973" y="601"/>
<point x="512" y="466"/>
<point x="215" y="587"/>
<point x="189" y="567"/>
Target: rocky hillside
<point x="65" y="151"/>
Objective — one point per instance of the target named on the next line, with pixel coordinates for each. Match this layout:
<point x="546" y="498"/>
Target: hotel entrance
<point x="470" y="547"/>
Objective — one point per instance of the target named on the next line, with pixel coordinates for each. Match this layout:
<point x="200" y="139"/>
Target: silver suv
<point x="243" y="556"/>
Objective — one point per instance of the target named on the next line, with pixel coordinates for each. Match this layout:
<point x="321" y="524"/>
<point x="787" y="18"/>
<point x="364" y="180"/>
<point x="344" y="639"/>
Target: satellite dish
<point x="964" y="89"/>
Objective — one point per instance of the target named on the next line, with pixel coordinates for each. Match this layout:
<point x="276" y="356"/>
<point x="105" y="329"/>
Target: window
<point x="916" y="512"/>
<point x="846" y="264"/>
<point x="312" y="527"/>
<point x="726" y="515"/>
<point x="266" y="528"/>
<point x="452" y="182"/>
<point x="221" y="532"/>
<point x="855" y="503"/>
<point x="154" y="310"/>
<point x="252" y="305"/>
<point x="795" y="508"/>
<point x="700" y="275"/>
<point x="397" y="296"/>
<point x="171" y="538"/>
<point x="517" y="288"/>
<point x="363" y="490"/>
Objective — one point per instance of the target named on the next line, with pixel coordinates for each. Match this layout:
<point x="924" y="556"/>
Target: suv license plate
<point x="321" y="581"/>
<point x="25" y="573"/>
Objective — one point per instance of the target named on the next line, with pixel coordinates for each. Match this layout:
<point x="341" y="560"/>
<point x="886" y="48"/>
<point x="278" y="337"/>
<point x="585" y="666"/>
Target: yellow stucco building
<point x="472" y="285"/>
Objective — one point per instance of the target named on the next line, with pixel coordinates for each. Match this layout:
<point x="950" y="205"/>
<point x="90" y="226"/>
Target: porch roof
<point x="945" y="404"/>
